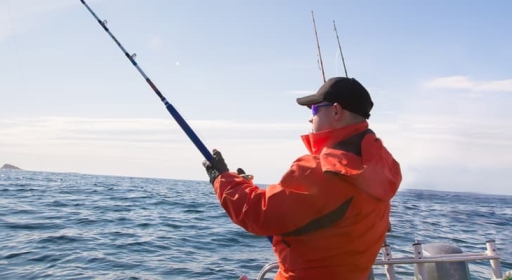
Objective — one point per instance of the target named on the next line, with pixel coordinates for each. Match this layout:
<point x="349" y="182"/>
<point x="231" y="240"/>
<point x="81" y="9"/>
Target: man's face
<point x="322" y="119"/>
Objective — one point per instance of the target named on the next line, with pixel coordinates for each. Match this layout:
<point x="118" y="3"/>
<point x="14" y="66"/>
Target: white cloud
<point x="457" y="154"/>
<point x="144" y="147"/>
<point x="460" y="154"/>
<point x="133" y="130"/>
<point x="501" y="86"/>
<point x="465" y="83"/>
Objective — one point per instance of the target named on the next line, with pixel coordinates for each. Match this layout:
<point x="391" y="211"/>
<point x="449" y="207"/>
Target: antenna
<point x="339" y="45"/>
<point x="318" y="46"/>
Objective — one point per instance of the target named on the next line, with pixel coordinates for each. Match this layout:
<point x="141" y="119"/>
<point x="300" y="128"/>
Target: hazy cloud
<point x="427" y="147"/>
<point x="465" y="83"/>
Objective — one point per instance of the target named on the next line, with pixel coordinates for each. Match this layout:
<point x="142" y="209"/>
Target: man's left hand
<point x="216" y="167"/>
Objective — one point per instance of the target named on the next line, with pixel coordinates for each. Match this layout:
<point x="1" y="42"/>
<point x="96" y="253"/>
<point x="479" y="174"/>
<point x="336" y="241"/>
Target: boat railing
<point x="419" y="259"/>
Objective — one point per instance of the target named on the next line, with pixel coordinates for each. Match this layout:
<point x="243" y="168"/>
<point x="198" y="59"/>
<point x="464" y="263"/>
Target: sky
<point x="70" y="101"/>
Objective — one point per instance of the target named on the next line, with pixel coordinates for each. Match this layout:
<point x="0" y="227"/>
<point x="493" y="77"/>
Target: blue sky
<point x="439" y="73"/>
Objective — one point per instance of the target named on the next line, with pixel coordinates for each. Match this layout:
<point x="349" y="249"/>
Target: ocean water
<point x="76" y="226"/>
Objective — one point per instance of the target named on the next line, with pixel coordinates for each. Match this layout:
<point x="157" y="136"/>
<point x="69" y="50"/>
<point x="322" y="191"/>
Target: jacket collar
<point x="315" y="142"/>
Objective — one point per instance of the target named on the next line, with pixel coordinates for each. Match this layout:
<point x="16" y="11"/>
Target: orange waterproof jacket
<point x="329" y="213"/>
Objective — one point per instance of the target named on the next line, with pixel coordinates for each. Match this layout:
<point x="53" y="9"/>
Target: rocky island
<point x="10" y="166"/>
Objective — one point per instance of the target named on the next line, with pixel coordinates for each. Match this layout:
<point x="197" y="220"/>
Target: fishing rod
<point x="339" y="45"/>
<point x="318" y="46"/>
<point x="179" y="119"/>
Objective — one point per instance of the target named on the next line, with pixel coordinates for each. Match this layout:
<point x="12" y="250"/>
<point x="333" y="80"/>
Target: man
<point x="329" y="213"/>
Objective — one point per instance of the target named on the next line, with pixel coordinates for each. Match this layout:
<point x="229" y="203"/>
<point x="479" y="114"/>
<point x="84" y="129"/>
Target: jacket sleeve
<point x="301" y="195"/>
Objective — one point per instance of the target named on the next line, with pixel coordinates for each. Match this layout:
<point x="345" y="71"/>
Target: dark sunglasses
<point x="315" y="108"/>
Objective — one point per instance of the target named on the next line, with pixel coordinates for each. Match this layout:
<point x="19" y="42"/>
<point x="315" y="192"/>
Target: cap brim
<point x="309" y="100"/>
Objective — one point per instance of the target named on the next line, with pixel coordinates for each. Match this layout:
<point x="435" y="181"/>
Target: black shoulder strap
<point x="353" y="143"/>
<point x="324" y="221"/>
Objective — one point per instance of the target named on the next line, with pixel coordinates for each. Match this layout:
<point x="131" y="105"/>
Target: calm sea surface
<point x="75" y="226"/>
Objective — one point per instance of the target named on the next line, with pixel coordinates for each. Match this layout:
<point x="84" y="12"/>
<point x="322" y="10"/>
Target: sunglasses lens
<point x="314" y="108"/>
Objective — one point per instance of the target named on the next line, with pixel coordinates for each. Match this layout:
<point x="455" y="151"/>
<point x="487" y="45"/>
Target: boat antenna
<point x="318" y="46"/>
<point x="339" y="46"/>
<point x="179" y="119"/>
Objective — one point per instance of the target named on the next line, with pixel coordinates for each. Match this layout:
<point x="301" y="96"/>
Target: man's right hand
<point x="248" y="177"/>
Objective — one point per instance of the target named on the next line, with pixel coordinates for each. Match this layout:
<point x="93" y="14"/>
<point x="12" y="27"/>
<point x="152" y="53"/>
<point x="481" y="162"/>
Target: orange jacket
<point x="329" y="213"/>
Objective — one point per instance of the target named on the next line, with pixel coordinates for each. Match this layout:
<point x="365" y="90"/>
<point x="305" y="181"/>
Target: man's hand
<point x="241" y="172"/>
<point x="216" y="167"/>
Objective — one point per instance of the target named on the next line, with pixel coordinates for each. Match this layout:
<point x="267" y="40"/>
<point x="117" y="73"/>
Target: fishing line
<point x="179" y="119"/>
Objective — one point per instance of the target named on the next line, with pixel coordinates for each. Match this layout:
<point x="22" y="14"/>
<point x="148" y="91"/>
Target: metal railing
<point x="419" y="261"/>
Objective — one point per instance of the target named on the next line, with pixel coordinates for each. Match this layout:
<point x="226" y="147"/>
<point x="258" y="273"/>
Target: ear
<point x="338" y="111"/>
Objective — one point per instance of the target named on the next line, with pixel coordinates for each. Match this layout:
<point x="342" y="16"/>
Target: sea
<point x="79" y="226"/>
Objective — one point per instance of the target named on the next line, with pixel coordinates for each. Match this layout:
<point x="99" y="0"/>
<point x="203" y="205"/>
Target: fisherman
<point x="329" y="214"/>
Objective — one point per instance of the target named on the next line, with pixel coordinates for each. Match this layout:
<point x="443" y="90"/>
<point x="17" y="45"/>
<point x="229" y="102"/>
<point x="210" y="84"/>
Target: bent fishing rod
<point x="179" y="119"/>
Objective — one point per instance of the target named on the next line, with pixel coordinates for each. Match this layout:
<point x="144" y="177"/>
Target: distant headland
<point x="10" y="166"/>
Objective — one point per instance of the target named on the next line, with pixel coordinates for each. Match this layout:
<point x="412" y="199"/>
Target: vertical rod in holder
<point x="420" y="267"/>
<point x="495" y="264"/>
<point x="339" y="46"/>
<point x="318" y="46"/>
<point x="387" y="256"/>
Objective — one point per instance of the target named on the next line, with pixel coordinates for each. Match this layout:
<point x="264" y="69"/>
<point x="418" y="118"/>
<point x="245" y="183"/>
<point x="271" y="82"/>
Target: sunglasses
<point x="315" y="108"/>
